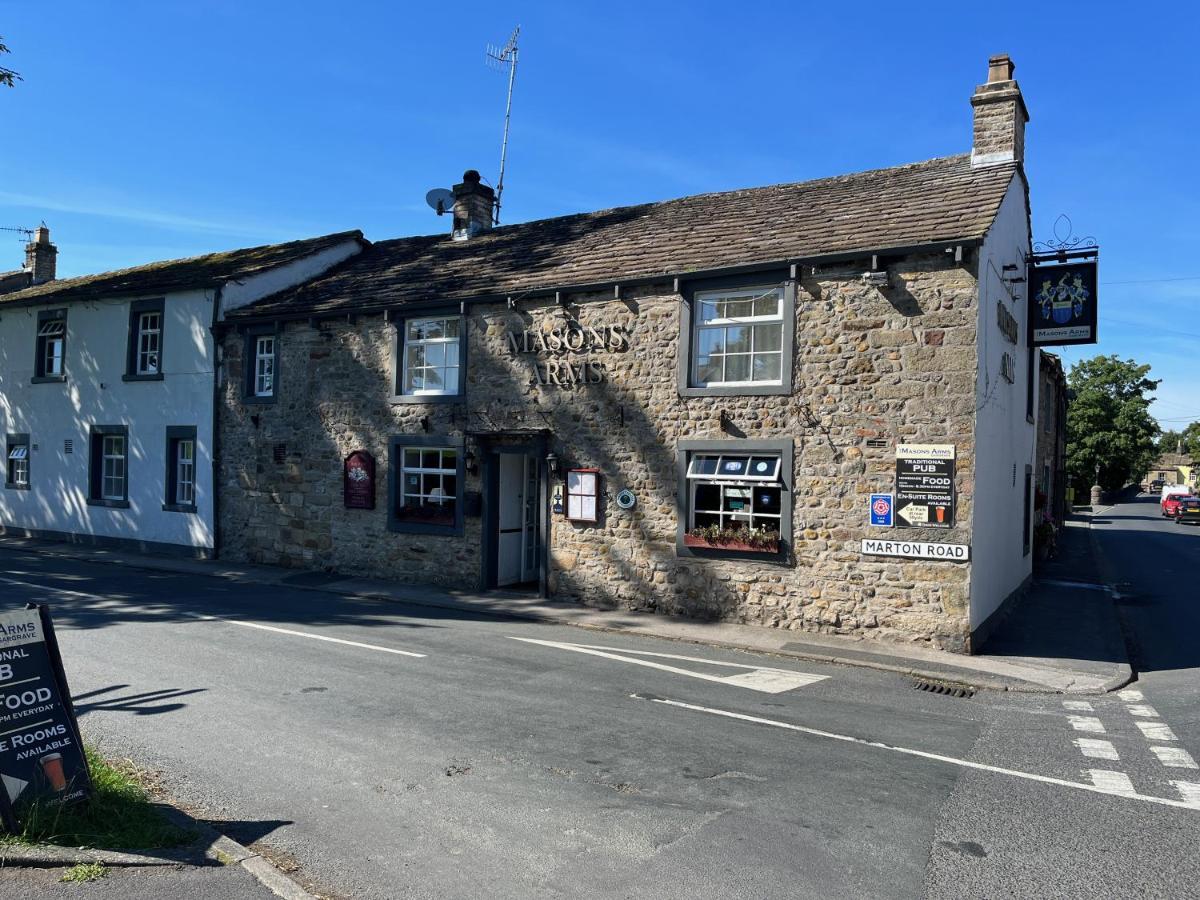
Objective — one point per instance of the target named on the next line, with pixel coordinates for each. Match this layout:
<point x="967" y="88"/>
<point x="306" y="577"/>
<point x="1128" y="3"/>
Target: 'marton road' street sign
<point x="916" y="549"/>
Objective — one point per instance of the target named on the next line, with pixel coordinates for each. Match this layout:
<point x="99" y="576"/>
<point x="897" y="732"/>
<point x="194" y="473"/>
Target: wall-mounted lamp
<point x="255" y="419"/>
<point x="425" y="424"/>
<point x="469" y="459"/>
<point x="552" y="465"/>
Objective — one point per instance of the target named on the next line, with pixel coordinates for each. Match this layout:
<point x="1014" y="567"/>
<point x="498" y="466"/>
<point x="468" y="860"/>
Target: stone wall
<point x="895" y="364"/>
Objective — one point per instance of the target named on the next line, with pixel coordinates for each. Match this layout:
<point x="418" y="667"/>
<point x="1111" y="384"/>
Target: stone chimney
<point x="40" y="256"/>
<point x="1000" y="116"/>
<point x="473" y="204"/>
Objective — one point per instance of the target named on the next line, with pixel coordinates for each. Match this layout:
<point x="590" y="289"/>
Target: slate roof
<point x="177" y="274"/>
<point x="941" y="200"/>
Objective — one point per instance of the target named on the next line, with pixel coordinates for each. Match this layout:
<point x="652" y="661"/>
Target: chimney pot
<point x="1000" y="68"/>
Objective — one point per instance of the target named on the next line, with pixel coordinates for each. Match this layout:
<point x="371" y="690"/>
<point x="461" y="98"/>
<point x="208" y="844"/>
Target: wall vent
<point x="279" y="453"/>
<point x="68" y="446"/>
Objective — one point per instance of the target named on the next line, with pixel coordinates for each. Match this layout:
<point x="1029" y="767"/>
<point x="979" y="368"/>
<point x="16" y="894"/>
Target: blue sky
<point x="170" y="129"/>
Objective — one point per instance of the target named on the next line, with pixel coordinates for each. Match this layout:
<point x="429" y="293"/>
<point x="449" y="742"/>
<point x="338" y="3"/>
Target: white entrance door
<point x="516" y="556"/>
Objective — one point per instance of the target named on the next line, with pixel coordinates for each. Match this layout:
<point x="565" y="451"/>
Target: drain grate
<point x="946" y="688"/>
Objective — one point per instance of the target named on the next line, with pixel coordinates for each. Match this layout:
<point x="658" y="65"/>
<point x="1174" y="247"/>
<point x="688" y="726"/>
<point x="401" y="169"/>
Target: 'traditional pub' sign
<point x="1062" y="301"/>
<point x="925" y="485"/>
<point x="41" y="755"/>
<point x="358" y="480"/>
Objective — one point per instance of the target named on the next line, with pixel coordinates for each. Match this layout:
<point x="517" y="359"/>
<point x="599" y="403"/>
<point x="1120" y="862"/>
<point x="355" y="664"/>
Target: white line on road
<point x="1077" y="706"/>
<point x="1156" y="731"/>
<point x="1096" y="748"/>
<point x="879" y="745"/>
<point x="1174" y="757"/>
<point x="1086" y="723"/>
<point x="1190" y="792"/>
<point x="1112" y="782"/>
<point x="308" y="634"/>
<point x="1141" y="709"/>
<point x="1129" y="695"/>
<point x="756" y="678"/>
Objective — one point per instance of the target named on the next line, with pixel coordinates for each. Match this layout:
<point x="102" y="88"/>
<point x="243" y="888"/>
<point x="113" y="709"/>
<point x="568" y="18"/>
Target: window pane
<point x="736" y="499"/>
<point x="710" y="341"/>
<point x="451" y="327"/>
<point x="708" y="497"/>
<point x="764" y="466"/>
<point x="431" y="459"/>
<point x="434" y="379"/>
<point x="768" y="305"/>
<point x="709" y="369"/>
<point x="734" y="466"/>
<point x="705" y="465"/>
<point x="767" y="366"/>
<point x="737" y="368"/>
<point x="737" y="339"/>
<point x="767" y="499"/>
<point x="738" y="309"/>
<point x="451" y="353"/>
<point x="708" y="310"/>
<point x="767" y="337"/>
<point x="414" y="380"/>
<point x="450" y="486"/>
<point x="704" y="520"/>
<point x="416" y="356"/>
<point x="435" y="354"/>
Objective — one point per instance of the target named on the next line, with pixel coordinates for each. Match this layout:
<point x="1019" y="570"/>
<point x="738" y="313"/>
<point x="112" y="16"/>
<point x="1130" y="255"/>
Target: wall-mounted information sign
<point x="925" y="485"/>
<point x="1062" y="302"/>
<point x="583" y="494"/>
<point x="41" y="755"/>
<point x="358" y="480"/>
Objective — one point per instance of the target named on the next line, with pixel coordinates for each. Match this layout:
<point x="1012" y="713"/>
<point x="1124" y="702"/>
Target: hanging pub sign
<point x="358" y="480"/>
<point x="1062" y="300"/>
<point x="41" y="754"/>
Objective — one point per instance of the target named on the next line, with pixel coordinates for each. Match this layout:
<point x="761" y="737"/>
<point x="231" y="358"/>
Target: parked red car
<point x="1170" y="504"/>
<point x="1187" y="512"/>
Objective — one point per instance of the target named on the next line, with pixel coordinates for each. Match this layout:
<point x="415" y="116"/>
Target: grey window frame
<point x="251" y="336"/>
<point x="39" y="368"/>
<point x="396" y="446"/>
<point x="18" y="439"/>
<point x="175" y="434"/>
<point x="399" y="335"/>
<point x="733" y="447"/>
<point x="96" y="466"/>
<point x="686" y="339"/>
<point x="137" y="309"/>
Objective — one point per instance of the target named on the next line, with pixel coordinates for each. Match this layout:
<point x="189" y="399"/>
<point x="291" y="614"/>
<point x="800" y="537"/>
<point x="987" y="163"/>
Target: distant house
<point x="107" y="384"/>
<point x="1050" y="463"/>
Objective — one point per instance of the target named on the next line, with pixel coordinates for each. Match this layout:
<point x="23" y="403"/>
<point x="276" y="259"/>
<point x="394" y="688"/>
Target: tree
<point x="1108" y="422"/>
<point x="1168" y="442"/>
<point x="7" y="76"/>
<point x="1191" y="440"/>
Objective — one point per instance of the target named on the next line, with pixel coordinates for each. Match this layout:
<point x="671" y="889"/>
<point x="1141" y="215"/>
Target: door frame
<point x="535" y="448"/>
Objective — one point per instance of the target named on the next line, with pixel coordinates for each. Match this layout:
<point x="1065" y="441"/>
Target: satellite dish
<point x="440" y="200"/>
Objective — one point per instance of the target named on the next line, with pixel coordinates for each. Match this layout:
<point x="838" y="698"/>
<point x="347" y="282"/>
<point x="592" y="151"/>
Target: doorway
<point x="518" y="547"/>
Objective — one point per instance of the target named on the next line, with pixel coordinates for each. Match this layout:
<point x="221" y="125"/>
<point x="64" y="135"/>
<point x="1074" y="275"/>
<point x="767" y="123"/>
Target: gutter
<point x="218" y="367"/>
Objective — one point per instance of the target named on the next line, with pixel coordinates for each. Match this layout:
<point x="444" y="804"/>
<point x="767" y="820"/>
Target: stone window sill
<point x="402" y="399"/>
<point x="48" y="379"/>
<point x="133" y="377"/>
<point x="111" y="504"/>
<point x="16" y="487"/>
<point x="179" y="507"/>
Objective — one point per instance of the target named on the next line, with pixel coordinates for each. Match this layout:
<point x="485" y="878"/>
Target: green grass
<point x="119" y="815"/>
<point x="85" y="872"/>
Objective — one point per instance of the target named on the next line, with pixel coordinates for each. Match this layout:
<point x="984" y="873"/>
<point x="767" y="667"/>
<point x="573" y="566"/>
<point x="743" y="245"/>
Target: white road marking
<point x="1095" y="748"/>
<point x="1174" y="757"/>
<point x="205" y="618"/>
<point x="1077" y="705"/>
<point x="1112" y="782"/>
<point x="1086" y="723"/>
<point x="1130" y="695"/>
<point x="1190" y="792"/>
<point x="308" y="634"/>
<point x="756" y="678"/>
<point x="923" y="754"/>
<point x="1156" y="731"/>
<point x="1141" y="709"/>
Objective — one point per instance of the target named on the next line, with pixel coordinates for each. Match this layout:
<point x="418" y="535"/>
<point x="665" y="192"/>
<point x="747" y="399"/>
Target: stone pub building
<point x="682" y="406"/>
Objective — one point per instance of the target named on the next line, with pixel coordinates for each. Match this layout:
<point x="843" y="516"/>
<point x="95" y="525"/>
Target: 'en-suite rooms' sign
<point x="567" y="352"/>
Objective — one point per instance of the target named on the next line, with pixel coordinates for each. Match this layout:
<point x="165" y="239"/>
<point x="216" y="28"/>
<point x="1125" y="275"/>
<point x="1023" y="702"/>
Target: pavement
<point x="385" y="748"/>
<point x="1018" y="658"/>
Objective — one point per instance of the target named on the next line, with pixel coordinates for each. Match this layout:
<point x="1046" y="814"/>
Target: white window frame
<point x="18" y="463"/>
<point x="744" y="484"/>
<point x="185" y="472"/>
<point x="699" y="325"/>
<point x="264" y="365"/>
<point x="52" y="340"/>
<point x="114" y="468"/>
<point x="450" y="386"/>
<point x="149" y="342"/>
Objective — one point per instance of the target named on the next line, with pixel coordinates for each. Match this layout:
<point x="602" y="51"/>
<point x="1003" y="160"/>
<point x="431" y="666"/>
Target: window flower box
<point x="740" y="540"/>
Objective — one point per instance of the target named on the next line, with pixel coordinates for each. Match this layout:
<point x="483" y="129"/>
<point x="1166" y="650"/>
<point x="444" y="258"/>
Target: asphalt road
<point x="402" y="751"/>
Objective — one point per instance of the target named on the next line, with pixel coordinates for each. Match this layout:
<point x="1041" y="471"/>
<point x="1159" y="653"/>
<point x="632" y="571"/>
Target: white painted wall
<point x="236" y="294"/>
<point x="94" y="394"/>
<point x="1003" y="436"/>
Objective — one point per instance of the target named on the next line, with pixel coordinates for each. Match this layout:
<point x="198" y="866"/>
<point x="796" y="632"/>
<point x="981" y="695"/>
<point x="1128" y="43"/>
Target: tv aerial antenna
<point x="499" y="58"/>
<point x="28" y="232"/>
